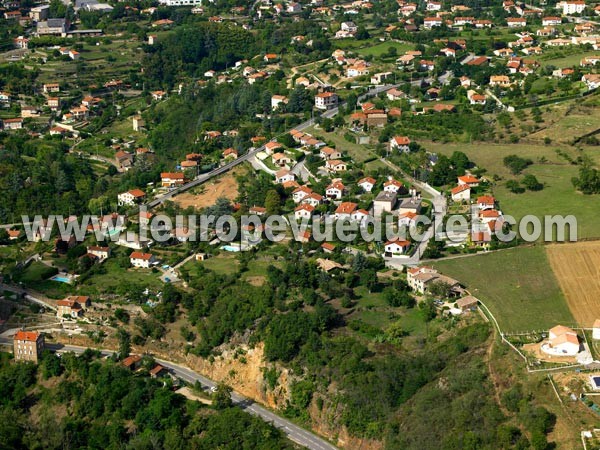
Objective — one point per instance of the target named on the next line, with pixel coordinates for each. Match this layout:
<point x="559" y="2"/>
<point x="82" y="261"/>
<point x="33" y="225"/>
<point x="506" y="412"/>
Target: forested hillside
<point x="85" y="402"/>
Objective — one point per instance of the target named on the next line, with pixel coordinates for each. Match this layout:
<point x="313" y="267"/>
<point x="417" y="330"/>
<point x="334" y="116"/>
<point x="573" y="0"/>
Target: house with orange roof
<point x="469" y="180"/>
<point x="303" y="211"/>
<point x="28" y="346"/>
<point x="486" y="202"/>
<point x="139" y="259"/>
<point x="345" y="210"/>
<point x="562" y="341"/>
<point x="396" y="247"/>
<point x="460" y="193"/>
<point x="400" y="143"/>
<point x="367" y="184"/>
<point x="131" y="198"/>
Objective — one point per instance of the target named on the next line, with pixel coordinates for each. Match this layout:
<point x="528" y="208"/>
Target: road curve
<point x="295" y="433"/>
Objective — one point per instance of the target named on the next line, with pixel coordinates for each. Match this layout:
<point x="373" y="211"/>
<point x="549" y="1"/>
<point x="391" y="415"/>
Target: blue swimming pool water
<point x="60" y="279"/>
<point x="230" y="248"/>
<point x="596" y="381"/>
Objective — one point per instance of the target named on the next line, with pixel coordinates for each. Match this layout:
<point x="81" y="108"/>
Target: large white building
<point x="571" y="7"/>
<point x="326" y="100"/>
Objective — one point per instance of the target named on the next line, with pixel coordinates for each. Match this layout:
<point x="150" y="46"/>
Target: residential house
<point x="12" y="124"/>
<point x="57" y="27"/>
<point x="330" y="153"/>
<point x="367" y="184"/>
<point x="562" y="341"/>
<point x="124" y="160"/>
<point x="394" y="186"/>
<point x="278" y="101"/>
<point x="281" y="159"/>
<point x="336" y="165"/>
<point x="475" y="98"/>
<point x="313" y="199"/>
<point x="468" y="303"/>
<point x="412" y="204"/>
<point x="395" y="94"/>
<point x="28" y="346"/>
<point x="172" y="179"/>
<point x="132" y="362"/>
<point x="431" y="22"/>
<point x="101" y="253"/>
<point x="70" y="307"/>
<point x="384" y="202"/>
<point x="335" y="190"/>
<point x="396" y="247"/>
<point x="420" y="279"/>
<point x="51" y="88"/>
<point x="284" y="175"/>
<point x="303" y="211"/>
<point x="469" y="180"/>
<point x="345" y="210"/>
<point x="460" y="193"/>
<point x="230" y="153"/>
<point x="400" y="143"/>
<point x="300" y="193"/>
<point x="326" y="100"/>
<point x="486" y="202"/>
<point x="131" y="198"/>
<point x="516" y="22"/>
<point x="139" y="259"/>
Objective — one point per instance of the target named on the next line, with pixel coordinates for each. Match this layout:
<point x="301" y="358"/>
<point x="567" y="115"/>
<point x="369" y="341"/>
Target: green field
<point x="382" y="48"/>
<point x="557" y="197"/>
<point x="563" y="59"/>
<point x="357" y="152"/>
<point x="517" y="285"/>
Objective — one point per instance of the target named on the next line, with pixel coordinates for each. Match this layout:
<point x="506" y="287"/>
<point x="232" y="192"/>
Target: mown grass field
<point x="517" y="285"/>
<point x="383" y="47"/>
<point x="558" y="196"/>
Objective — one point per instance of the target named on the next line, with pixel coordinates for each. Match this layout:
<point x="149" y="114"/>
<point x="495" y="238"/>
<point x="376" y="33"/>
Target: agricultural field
<point x="576" y="267"/>
<point x="517" y="285"/>
<point x="557" y="197"/>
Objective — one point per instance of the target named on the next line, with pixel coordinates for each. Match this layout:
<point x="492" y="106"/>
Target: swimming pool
<point x="61" y="279"/>
<point x="595" y="382"/>
<point x="231" y="248"/>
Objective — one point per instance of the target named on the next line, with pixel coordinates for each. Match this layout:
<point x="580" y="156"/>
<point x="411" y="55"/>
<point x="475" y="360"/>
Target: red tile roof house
<point x="139" y="259"/>
<point x="400" y="143"/>
<point x="345" y="210"/>
<point x="131" y="197"/>
<point x="461" y="192"/>
<point x="396" y="247"/>
<point x="28" y="345"/>
<point x="171" y="179"/>
<point x="468" y="180"/>
<point x="367" y="184"/>
<point x="132" y="362"/>
<point x="303" y="211"/>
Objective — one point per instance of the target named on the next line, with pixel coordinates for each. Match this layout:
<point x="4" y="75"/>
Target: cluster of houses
<point x="486" y="218"/>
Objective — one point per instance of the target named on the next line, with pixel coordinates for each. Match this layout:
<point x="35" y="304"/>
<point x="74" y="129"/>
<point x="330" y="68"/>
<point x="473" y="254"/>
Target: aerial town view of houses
<point x="315" y="224"/>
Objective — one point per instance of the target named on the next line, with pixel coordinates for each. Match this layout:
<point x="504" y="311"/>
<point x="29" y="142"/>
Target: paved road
<point x="203" y="178"/>
<point x="293" y="432"/>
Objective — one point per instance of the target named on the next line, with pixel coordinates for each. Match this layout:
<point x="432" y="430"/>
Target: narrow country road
<point x="295" y="433"/>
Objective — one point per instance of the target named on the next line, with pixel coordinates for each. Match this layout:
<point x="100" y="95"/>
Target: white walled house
<point x="130" y="198"/>
<point x="396" y="247"/>
<point x="461" y="193"/>
<point x="139" y="259"/>
<point x="326" y="100"/>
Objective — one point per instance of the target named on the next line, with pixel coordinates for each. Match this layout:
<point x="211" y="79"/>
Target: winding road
<point x="295" y="433"/>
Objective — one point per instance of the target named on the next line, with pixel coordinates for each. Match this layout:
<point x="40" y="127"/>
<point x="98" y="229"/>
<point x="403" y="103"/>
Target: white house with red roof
<point x="345" y="210"/>
<point x="300" y="193"/>
<point x="130" y="198"/>
<point x="460" y="193"/>
<point x="392" y="185"/>
<point x="335" y="190"/>
<point x="304" y="211"/>
<point x="367" y="184"/>
<point x="139" y="259"/>
<point x="396" y="247"/>
<point x="486" y="202"/>
<point x="400" y="143"/>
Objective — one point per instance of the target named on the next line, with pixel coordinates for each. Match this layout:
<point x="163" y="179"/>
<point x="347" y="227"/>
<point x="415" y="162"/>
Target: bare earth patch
<point x="208" y="193"/>
<point x="577" y="269"/>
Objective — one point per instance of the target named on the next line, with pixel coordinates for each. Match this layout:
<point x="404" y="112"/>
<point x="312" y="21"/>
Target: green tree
<point x="222" y="396"/>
